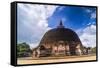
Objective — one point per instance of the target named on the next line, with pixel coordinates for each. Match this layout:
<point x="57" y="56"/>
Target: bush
<point x="23" y="50"/>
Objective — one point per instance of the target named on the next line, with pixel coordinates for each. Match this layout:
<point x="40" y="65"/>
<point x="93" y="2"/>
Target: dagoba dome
<point x="60" y="34"/>
<point x="59" y="41"/>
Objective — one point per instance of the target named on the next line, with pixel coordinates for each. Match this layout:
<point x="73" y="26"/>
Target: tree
<point x="23" y="50"/>
<point x="94" y="49"/>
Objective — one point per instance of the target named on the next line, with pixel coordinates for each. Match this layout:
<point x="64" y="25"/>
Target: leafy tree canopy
<point x="23" y="50"/>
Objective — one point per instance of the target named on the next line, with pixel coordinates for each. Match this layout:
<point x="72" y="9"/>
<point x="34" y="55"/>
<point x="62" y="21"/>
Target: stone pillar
<point x="38" y="52"/>
<point x="54" y="49"/>
<point x="67" y="49"/>
<point x="78" y="50"/>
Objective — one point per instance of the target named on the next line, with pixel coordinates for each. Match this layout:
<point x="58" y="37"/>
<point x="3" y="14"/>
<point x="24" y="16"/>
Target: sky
<point x="33" y="20"/>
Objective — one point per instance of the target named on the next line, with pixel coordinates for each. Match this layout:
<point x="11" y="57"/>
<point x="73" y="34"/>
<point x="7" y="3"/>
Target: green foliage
<point x="94" y="50"/>
<point x="23" y="50"/>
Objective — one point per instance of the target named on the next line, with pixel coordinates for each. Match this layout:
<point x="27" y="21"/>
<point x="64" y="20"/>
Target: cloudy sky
<point x="34" y="20"/>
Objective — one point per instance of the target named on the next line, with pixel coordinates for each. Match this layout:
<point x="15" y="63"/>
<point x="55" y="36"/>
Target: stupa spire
<point x="60" y="25"/>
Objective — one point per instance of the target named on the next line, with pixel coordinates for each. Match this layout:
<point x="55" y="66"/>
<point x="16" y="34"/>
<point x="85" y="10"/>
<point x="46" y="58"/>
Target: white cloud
<point x="61" y="8"/>
<point x="89" y="23"/>
<point x="33" y="45"/>
<point x="88" y="36"/>
<point x="32" y="22"/>
<point x="93" y="15"/>
<point x="88" y="10"/>
<point x="91" y="12"/>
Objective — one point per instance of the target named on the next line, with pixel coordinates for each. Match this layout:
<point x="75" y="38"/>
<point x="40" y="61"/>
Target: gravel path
<point x="30" y="60"/>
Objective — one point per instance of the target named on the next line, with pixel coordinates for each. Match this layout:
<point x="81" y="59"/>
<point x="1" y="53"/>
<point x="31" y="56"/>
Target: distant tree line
<point x="89" y="50"/>
<point x="94" y="50"/>
<point x="23" y="50"/>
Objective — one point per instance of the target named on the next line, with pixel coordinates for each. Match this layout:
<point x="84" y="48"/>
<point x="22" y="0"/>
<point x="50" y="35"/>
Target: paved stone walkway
<point x="30" y="60"/>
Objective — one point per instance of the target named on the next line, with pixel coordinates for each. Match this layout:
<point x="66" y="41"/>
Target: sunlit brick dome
<point x="60" y="34"/>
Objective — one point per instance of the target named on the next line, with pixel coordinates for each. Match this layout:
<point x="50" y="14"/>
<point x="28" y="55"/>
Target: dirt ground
<point x="30" y="60"/>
